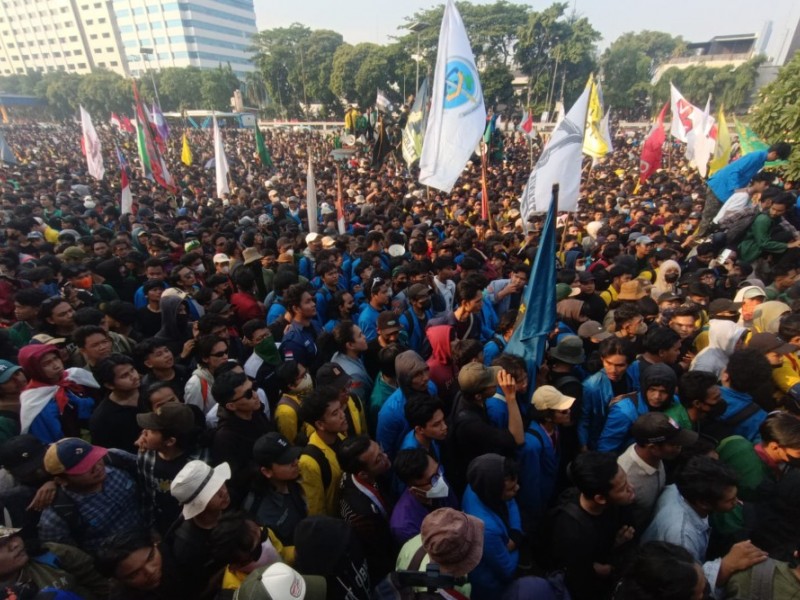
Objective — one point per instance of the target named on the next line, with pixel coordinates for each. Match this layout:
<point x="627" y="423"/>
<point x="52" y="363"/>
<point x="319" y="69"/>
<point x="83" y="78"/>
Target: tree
<point x="550" y="41"/>
<point x="496" y="82"/>
<point x="776" y="116"/>
<point x="628" y="65"/>
<point x="728" y="86"/>
<point x="102" y="92"/>
<point x="217" y="87"/>
<point x="61" y="91"/>
<point x="179" y="88"/>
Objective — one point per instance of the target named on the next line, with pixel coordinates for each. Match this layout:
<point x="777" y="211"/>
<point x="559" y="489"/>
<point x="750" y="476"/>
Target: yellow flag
<point x="594" y="142"/>
<point x="722" y="153"/>
<point x="186" y="152"/>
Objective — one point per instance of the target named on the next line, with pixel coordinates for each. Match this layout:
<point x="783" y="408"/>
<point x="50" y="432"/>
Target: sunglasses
<point x="219" y="354"/>
<point x="248" y="395"/>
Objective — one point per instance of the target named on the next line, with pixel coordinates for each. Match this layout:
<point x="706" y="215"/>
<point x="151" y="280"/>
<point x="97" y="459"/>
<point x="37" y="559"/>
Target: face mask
<point x="84" y="283"/>
<point x="671" y="277"/>
<point x="580" y="268"/>
<point x="225" y="270"/>
<point x="427" y="304"/>
<point x="306" y="385"/>
<point x="440" y="489"/>
<point x="716" y="411"/>
<point x="200" y="269"/>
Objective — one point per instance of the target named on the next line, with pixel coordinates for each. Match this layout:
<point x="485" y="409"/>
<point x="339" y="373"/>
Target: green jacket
<point x="65" y="568"/>
<point x="757" y="240"/>
<point x="785" y="584"/>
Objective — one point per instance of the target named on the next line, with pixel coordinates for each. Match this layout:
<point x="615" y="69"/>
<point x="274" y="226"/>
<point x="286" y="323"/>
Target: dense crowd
<point x="204" y="399"/>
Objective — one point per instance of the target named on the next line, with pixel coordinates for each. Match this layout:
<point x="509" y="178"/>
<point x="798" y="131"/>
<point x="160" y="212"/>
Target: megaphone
<point x="349" y="140"/>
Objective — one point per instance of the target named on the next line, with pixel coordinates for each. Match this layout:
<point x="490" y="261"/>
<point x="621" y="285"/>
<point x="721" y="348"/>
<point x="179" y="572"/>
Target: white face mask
<point x="201" y="268"/>
<point x="580" y="268"/>
<point x="440" y="489"/>
<point x="305" y="386"/>
<point x="225" y="270"/>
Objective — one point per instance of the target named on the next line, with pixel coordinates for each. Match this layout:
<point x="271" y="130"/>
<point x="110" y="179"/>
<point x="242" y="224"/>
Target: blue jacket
<point x="300" y="344"/>
<point x="736" y="175"/>
<point x="497" y="409"/>
<point x="392" y="424"/>
<point x="47" y="425"/>
<point x="416" y="332"/>
<point x="493" y="349"/>
<point x="616" y="433"/>
<point x="368" y="322"/>
<point x="597" y="393"/>
<point x="538" y="462"/>
<point x="498" y="565"/>
<point x="276" y="311"/>
<point x="737" y="402"/>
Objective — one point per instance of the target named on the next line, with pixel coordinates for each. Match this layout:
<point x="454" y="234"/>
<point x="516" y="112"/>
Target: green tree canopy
<point x="776" y="116"/>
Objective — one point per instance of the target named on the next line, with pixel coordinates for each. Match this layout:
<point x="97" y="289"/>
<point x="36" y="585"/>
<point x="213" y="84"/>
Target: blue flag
<point x="538" y="306"/>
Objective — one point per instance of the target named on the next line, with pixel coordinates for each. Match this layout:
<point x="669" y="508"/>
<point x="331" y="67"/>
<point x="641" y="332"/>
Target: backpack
<point x="736" y="226"/>
<point x="302" y="437"/>
<point x="425" y="350"/>
<point x="393" y="587"/>
<point x="324" y="466"/>
<point x="761" y="583"/>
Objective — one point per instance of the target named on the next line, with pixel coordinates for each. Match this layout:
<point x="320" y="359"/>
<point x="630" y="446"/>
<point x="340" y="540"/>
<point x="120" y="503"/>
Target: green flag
<point x="750" y="142"/>
<point x="261" y="147"/>
<point x="144" y="156"/>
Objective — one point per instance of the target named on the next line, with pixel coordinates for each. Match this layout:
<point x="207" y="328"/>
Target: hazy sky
<point x="695" y="20"/>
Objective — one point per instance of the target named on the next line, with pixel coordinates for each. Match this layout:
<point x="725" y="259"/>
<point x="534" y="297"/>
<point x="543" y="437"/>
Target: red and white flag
<point x="653" y="148"/>
<point x="115" y="122"/>
<point x="526" y="123"/>
<point x="91" y="147"/>
<point x="684" y="115"/>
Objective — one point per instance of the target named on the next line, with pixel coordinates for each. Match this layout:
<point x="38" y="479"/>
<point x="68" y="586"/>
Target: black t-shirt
<point x="114" y="426"/>
<point x="148" y="323"/>
<point x="177" y="383"/>
<point x="165" y="506"/>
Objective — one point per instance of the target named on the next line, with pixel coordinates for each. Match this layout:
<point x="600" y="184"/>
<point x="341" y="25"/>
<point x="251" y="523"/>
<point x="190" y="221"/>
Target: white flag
<point x="700" y="146"/>
<point x="91" y="146"/>
<point x="220" y="162"/>
<point x="560" y="163"/>
<point x="311" y="198"/>
<point x="458" y="115"/>
<point x="383" y="103"/>
<point x="684" y="115"/>
<point x="605" y="130"/>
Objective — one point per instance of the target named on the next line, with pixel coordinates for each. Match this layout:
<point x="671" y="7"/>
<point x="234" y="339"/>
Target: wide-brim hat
<point x="251" y="255"/>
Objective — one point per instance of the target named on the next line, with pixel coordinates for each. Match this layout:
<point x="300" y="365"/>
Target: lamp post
<point x="417" y="27"/>
<point x="146" y="54"/>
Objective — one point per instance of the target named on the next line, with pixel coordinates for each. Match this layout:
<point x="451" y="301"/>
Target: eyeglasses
<point x="219" y="354"/>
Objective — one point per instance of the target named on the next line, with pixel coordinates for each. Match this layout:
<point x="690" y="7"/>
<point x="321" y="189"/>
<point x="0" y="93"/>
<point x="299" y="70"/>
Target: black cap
<point x="273" y="448"/>
<point x="722" y="306"/>
<point x="585" y="276"/>
<point x="23" y="455"/>
<point x="657" y="428"/>
<point x="332" y="375"/>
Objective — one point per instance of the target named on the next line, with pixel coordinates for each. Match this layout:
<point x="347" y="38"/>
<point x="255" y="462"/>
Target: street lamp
<point x="417" y="27"/>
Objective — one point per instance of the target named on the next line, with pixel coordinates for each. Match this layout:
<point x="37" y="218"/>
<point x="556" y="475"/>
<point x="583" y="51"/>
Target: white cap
<point x="312" y="237"/>
<point x="221" y="258"/>
<point x="396" y="250"/>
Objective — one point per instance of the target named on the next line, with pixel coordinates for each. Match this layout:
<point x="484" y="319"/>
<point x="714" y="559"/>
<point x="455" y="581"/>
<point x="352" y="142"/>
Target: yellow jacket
<point x="321" y="500"/>
<point x="609" y="295"/>
<point x="788" y="374"/>
<point x="357" y="417"/>
<point x="232" y="580"/>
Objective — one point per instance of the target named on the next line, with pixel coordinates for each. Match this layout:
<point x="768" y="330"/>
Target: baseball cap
<point x="328" y="242"/>
<point x="23" y="455"/>
<point x="644" y="239"/>
<point x="279" y="581"/>
<point x="547" y="397"/>
<point x="172" y="416"/>
<point x="722" y="306"/>
<point x="43" y="338"/>
<point x="331" y="374"/>
<point x="221" y="258"/>
<point x="195" y="485"/>
<point x="75" y="253"/>
<point x="474" y="377"/>
<point x="387" y="322"/>
<point x="769" y="342"/>
<point x="564" y="291"/>
<point x="72" y="456"/>
<point x="312" y="237"/>
<point x="417" y="290"/>
<point x="656" y="428"/>
<point x="752" y="291"/>
<point x="219" y="306"/>
<point x="669" y="297"/>
<point x="274" y="448"/>
<point x="396" y="250"/>
<point x="593" y="329"/>
<point x="586" y="276"/>
<point x="7" y="532"/>
<point x="453" y="539"/>
<point x="7" y="370"/>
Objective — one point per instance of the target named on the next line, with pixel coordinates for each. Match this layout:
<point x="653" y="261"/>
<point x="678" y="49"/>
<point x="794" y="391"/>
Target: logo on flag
<point x="462" y="86"/>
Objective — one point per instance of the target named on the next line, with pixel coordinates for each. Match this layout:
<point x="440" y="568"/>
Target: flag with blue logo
<point x="537" y="310"/>
<point x="458" y="115"/>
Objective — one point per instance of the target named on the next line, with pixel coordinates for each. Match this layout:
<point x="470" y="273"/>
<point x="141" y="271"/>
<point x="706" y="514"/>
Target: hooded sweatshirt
<point x="621" y="415"/>
<point x="661" y="286"/>
<point x="722" y="338"/>
<point x="443" y="371"/>
<point x="766" y="316"/>
<point x="174" y="330"/>
<point x="483" y="498"/>
<point x="392" y="424"/>
<point x="51" y="411"/>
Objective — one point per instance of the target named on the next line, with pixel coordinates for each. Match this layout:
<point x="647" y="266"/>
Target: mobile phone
<point x="724" y="255"/>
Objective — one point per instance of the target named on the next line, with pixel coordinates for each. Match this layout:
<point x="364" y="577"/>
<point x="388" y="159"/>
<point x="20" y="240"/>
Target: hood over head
<point x="659" y="374"/>
<point x="31" y="355"/>
<point x="171" y="329"/>
<point x="486" y="477"/>
<point x="407" y="365"/>
<point x="723" y="335"/>
<point x="766" y="317"/>
<point x="440" y="337"/>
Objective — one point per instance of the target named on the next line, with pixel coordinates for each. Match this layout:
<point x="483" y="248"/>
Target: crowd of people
<point x="204" y="399"/>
